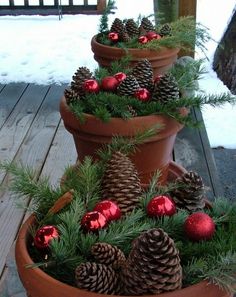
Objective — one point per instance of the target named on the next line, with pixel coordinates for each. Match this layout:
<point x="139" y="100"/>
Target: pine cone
<point x="121" y="183"/>
<point x="166" y="89"/>
<point x="132" y="111"/>
<point x="80" y="76"/>
<point x="144" y="74"/>
<point x="117" y="26"/>
<point x="189" y="194"/>
<point x="165" y="30"/>
<point x="97" y="278"/>
<point x="124" y="36"/>
<point x="146" y="25"/>
<point x="153" y="266"/>
<point x="107" y="254"/>
<point x="128" y="86"/>
<point x="71" y="96"/>
<point x="132" y="28"/>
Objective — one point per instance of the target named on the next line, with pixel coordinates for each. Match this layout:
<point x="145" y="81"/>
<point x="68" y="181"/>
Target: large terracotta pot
<point x="154" y="154"/>
<point x="161" y="60"/>
<point x="39" y="284"/>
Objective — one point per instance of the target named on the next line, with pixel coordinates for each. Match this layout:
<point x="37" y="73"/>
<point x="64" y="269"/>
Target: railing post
<point x="101" y="5"/>
<point x="168" y="10"/>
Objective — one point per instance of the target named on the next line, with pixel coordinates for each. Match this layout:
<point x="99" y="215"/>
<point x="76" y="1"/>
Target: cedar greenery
<point x="213" y="260"/>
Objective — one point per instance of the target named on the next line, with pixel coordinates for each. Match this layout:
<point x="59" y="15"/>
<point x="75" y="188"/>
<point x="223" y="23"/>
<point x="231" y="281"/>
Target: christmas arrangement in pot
<point x="101" y="233"/>
<point x="143" y="38"/>
<point x="124" y="101"/>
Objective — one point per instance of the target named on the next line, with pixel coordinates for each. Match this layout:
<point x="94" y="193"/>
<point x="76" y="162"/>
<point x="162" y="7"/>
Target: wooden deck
<point x="31" y="132"/>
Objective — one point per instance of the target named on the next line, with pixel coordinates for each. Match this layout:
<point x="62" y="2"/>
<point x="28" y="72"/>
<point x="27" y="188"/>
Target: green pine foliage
<point x="213" y="260"/>
<point x="110" y="7"/>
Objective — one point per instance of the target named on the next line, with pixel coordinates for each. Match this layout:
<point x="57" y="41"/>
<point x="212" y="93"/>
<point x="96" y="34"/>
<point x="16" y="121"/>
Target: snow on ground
<point x="44" y="50"/>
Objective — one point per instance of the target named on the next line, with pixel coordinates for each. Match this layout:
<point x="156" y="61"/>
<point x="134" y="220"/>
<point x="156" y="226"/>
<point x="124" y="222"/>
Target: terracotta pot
<point x="155" y="153"/>
<point x="39" y="284"/>
<point x="161" y="60"/>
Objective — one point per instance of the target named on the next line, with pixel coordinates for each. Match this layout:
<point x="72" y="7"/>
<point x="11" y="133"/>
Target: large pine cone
<point x="165" y="30"/>
<point x="144" y="74"/>
<point x="128" y="86"/>
<point x="166" y="89"/>
<point x="146" y="25"/>
<point x="153" y="266"/>
<point x="108" y="254"/>
<point x="190" y="191"/>
<point x="97" y="278"/>
<point x="121" y="183"/>
<point x="71" y="96"/>
<point x="132" y="28"/>
<point x="80" y="76"/>
<point x="117" y="26"/>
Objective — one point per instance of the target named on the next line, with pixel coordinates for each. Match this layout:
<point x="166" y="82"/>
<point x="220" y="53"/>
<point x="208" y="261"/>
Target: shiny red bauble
<point x="142" y="94"/>
<point x="143" y="39"/>
<point x="93" y="221"/>
<point x="91" y="86"/>
<point x="44" y="236"/>
<point x="157" y="79"/>
<point x="113" y="36"/>
<point x="109" y="209"/>
<point x="109" y="83"/>
<point x="120" y="76"/>
<point x="199" y="226"/>
<point x="152" y="35"/>
<point x="161" y="206"/>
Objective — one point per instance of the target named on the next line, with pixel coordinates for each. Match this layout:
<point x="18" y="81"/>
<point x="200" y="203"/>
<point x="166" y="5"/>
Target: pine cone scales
<point x="165" y="30"/>
<point x="82" y="74"/>
<point x="117" y="26"/>
<point x="121" y="183"/>
<point x="107" y="254"/>
<point x="166" y="89"/>
<point x="71" y="96"/>
<point x="190" y="194"/>
<point x="147" y="25"/>
<point x="153" y="266"/>
<point x="132" y="28"/>
<point x="128" y="86"/>
<point x="97" y="278"/>
<point x="144" y="74"/>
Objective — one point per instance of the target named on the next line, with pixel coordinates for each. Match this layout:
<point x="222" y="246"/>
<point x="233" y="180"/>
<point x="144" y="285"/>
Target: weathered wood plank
<point x="33" y="152"/>
<point x="192" y="151"/>
<point x="9" y="96"/>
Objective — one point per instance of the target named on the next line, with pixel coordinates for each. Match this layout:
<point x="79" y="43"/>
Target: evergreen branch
<point x="103" y="26"/>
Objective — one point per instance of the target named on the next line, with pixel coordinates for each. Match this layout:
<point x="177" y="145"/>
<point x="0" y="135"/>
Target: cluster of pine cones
<point x="164" y="89"/>
<point x="129" y="29"/>
<point x="153" y="265"/>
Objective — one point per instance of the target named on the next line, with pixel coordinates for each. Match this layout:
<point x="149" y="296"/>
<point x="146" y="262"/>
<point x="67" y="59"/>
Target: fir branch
<point x="103" y="26"/>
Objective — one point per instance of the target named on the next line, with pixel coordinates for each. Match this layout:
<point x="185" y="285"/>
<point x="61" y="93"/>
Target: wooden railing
<point x="41" y="7"/>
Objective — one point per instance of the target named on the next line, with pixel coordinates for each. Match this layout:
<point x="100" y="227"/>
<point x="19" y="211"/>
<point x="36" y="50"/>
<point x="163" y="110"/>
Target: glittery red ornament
<point x="109" y="83"/>
<point x="120" y="76"/>
<point x="44" y="236"/>
<point x="109" y="209"/>
<point x="91" y="86"/>
<point x="93" y="221"/>
<point x="143" y="39"/>
<point x="161" y="206"/>
<point x="199" y="226"/>
<point x="142" y="94"/>
<point x="113" y="36"/>
<point x="152" y="35"/>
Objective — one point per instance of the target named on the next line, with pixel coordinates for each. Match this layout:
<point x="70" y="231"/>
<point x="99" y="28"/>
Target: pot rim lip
<point x="21" y="243"/>
<point x="162" y="48"/>
<point x="183" y="110"/>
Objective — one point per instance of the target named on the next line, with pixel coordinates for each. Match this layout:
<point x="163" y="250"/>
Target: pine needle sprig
<point x="109" y="9"/>
<point x="25" y="183"/>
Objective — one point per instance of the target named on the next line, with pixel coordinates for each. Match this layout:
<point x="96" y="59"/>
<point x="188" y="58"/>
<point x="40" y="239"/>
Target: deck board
<point x="31" y="132"/>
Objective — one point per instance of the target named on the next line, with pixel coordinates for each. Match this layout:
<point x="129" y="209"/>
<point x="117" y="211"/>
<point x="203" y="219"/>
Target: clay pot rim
<point x="161" y="50"/>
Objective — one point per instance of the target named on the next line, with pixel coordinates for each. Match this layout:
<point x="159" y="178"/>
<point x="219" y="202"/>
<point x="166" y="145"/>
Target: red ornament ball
<point x="199" y="226"/>
<point x="93" y="221"/>
<point x="143" y="39"/>
<point x="109" y="83"/>
<point x="161" y="206"/>
<point x="157" y="78"/>
<point x="152" y="35"/>
<point x="113" y="36"/>
<point x="44" y="236"/>
<point x="120" y="76"/>
<point x="142" y="94"/>
<point x="109" y="209"/>
<point x="91" y="86"/>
